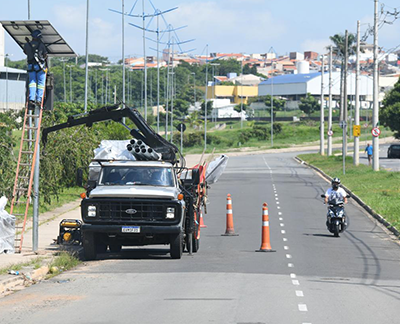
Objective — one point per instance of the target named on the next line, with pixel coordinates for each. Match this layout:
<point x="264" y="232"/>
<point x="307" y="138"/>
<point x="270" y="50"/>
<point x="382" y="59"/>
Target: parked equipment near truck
<point x="138" y="192"/>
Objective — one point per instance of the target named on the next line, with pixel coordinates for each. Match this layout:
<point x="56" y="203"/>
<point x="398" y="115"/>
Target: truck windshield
<point x="137" y="175"/>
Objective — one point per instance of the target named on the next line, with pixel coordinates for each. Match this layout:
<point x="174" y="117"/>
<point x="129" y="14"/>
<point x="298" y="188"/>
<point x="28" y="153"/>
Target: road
<point x="311" y="278"/>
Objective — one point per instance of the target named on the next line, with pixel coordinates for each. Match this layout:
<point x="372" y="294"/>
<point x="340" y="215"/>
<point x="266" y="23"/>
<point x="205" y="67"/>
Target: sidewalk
<point x="48" y="232"/>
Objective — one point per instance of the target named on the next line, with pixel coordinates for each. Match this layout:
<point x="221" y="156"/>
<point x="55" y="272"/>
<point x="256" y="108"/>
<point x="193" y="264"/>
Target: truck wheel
<point x="176" y="246"/>
<point x="115" y="248"/>
<point x="196" y="234"/>
<point x="89" y="246"/>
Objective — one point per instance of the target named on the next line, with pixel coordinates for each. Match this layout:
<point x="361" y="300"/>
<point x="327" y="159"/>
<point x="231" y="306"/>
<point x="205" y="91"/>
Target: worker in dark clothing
<point x="36" y="55"/>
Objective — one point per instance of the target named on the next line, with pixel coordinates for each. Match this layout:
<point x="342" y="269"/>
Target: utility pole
<point x="29" y="10"/>
<point x="330" y="104"/>
<point x="123" y="56"/>
<point x="375" y="115"/>
<point x="356" y="156"/>
<point x="322" y="117"/>
<point x="345" y="121"/>
<point x="70" y="83"/>
<point x="65" y="85"/>
<point x="241" y="101"/>
<point x="87" y="54"/>
<point x="272" y="104"/>
<point x="205" y="103"/>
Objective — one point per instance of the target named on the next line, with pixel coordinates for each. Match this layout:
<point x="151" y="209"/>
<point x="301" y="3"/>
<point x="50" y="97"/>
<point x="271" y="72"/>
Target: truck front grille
<point x="131" y="211"/>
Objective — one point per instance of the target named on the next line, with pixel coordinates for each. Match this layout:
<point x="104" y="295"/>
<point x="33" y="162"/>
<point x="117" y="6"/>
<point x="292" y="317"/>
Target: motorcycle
<point x="336" y="218"/>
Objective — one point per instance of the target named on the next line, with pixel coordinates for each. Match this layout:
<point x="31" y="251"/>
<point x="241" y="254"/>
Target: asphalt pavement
<point x="311" y="278"/>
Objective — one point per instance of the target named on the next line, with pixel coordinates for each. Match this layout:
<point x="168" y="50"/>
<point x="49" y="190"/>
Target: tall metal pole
<point x="375" y="115"/>
<point x="70" y="83"/>
<point x="35" y="219"/>
<point x="356" y="157"/>
<point x="330" y="103"/>
<point x="167" y="93"/>
<point x="241" y="103"/>
<point x="29" y="10"/>
<point x="322" y="117"/>
<point x="87" y="54"/>
<point x="205" y="103"/>
<point x="272" y="105"/>
<point x="345" y="119"/>
<point x="172" y="92"/>
<point x="158" y="75"/>
<point x="65" y="84"/>
<point x="5" y="61"/>
<point x="145" y="64"/>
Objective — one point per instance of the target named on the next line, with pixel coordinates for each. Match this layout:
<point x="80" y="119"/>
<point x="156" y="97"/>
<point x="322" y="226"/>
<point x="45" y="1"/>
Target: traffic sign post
<point x="376" y="132"/>
<point x="330" y="133"/>
<point x="356" y="130"/>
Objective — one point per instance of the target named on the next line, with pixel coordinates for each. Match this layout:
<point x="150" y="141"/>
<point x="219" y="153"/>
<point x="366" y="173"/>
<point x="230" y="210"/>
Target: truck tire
<point x="176" y="246"/>
<point x="196" y="233"/>
<point x="89" y="246"/>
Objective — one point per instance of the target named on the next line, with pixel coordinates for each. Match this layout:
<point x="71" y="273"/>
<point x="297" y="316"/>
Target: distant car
<point x="393" y="151"/>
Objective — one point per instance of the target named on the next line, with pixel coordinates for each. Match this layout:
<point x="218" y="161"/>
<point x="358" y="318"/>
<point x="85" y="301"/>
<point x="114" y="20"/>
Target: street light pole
<point x="87" y="54"/>
<point x="375" y="115"/>
<point x="357" y="108"/>
<point x="205" y="104"/>
<point x="330" y="104"/>
<point x="322" y="120"/>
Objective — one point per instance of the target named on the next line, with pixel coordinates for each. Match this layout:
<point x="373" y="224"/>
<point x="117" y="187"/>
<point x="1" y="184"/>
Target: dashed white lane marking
<point x="283" y="231"/>
<point x="296" y="282"/>
<point x="280" y="218"/>
<point x="293" y="276"/>
<point x="267" y="165"/>
<point x="288" y="256"/>
<point x="276" y="198"/>
<point x="299" y="293"/>
<point x="282" y="225"/>
<point x="290" y="265"/>
<point x="284" y="239"/>
<point x="276" y="195"/>
<point x="277" y="202"/>
<point x="279" y="213"/>
<point x="286" y="247"/>
<point x="278" y="207"/>
<point x="303" y="308"/>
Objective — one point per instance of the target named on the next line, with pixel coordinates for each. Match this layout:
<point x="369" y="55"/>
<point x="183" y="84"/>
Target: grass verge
<point x="34" y="264"/>
<point x="378" y="189"/>
<point x="62" y="261"/>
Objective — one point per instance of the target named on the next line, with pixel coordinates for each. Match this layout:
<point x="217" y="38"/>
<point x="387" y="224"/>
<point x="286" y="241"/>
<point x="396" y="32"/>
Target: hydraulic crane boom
<point x="143" y="132"/>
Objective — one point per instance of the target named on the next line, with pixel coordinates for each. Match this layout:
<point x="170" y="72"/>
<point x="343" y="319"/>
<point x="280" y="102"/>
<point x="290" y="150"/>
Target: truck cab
<point x="132" y="203"/>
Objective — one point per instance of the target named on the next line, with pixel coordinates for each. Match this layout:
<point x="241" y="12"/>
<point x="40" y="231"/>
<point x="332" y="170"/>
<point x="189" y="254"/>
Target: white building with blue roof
<point x="295" y="86"/>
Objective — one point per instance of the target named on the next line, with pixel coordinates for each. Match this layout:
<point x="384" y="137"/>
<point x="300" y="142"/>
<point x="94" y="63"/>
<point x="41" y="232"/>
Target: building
<point x="310" y="55"/>
<point x="295" y="86"/>
<point x="296" y="56"/>
<point x="235" y="93"/>
<point x="12" y="88"/>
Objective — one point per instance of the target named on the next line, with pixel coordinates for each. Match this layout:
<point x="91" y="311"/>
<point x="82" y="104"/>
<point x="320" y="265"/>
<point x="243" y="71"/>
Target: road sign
<point x="181" y="127"/>
<point x="330" y="133"/>
<point x="342" y="124"/>
<point x="356" y="130"/>
<point x="366" y="125"/>
<point x="376" y="132"/>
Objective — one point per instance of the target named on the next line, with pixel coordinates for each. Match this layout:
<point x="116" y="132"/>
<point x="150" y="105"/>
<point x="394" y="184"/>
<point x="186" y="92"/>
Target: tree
<point x="309" y="104"/>
<point x="390" y="112"/>
<point x="238" y="107"/>
<point x="339" y="40"/>
<point x="278" y="104"/>
<point x="209" y="108"/>
<point x="247" y="69"/>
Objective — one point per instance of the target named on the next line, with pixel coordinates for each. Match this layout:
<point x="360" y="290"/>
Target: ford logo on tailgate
<point x="131" y="211"/>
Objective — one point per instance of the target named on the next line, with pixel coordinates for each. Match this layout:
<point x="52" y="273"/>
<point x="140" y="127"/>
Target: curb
<point x="367" y="208"/>
<point x="29" y="279"/>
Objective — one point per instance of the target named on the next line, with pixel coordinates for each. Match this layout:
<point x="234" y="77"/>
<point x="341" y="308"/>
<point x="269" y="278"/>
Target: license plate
<point x="131" y="229"/>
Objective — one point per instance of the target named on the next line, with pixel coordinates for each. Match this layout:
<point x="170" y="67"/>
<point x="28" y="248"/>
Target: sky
<point x="227" y="26"/>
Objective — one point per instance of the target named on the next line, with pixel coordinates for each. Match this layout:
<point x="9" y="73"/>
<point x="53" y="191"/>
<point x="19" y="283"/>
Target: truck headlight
<point x="170" y="213"/>
<point x="91" y="211"/>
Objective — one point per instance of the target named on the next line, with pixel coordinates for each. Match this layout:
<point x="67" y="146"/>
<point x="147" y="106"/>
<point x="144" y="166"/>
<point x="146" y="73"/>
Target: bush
<point x="277" y="128"/>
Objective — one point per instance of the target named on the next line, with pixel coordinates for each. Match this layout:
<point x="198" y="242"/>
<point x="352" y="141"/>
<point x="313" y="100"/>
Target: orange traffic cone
<point x="230" y="231"/>
<point x="202" y="225"/>
<point x="265" y="239"/>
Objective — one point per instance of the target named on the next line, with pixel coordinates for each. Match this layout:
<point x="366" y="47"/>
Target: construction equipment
<point x="70" y="232"/>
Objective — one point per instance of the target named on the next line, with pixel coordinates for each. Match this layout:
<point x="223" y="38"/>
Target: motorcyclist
<point x="335" y="194"/>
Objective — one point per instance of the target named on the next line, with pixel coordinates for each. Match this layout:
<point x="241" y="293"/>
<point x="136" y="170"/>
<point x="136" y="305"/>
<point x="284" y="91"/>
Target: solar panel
<point x="20" y="30"/>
